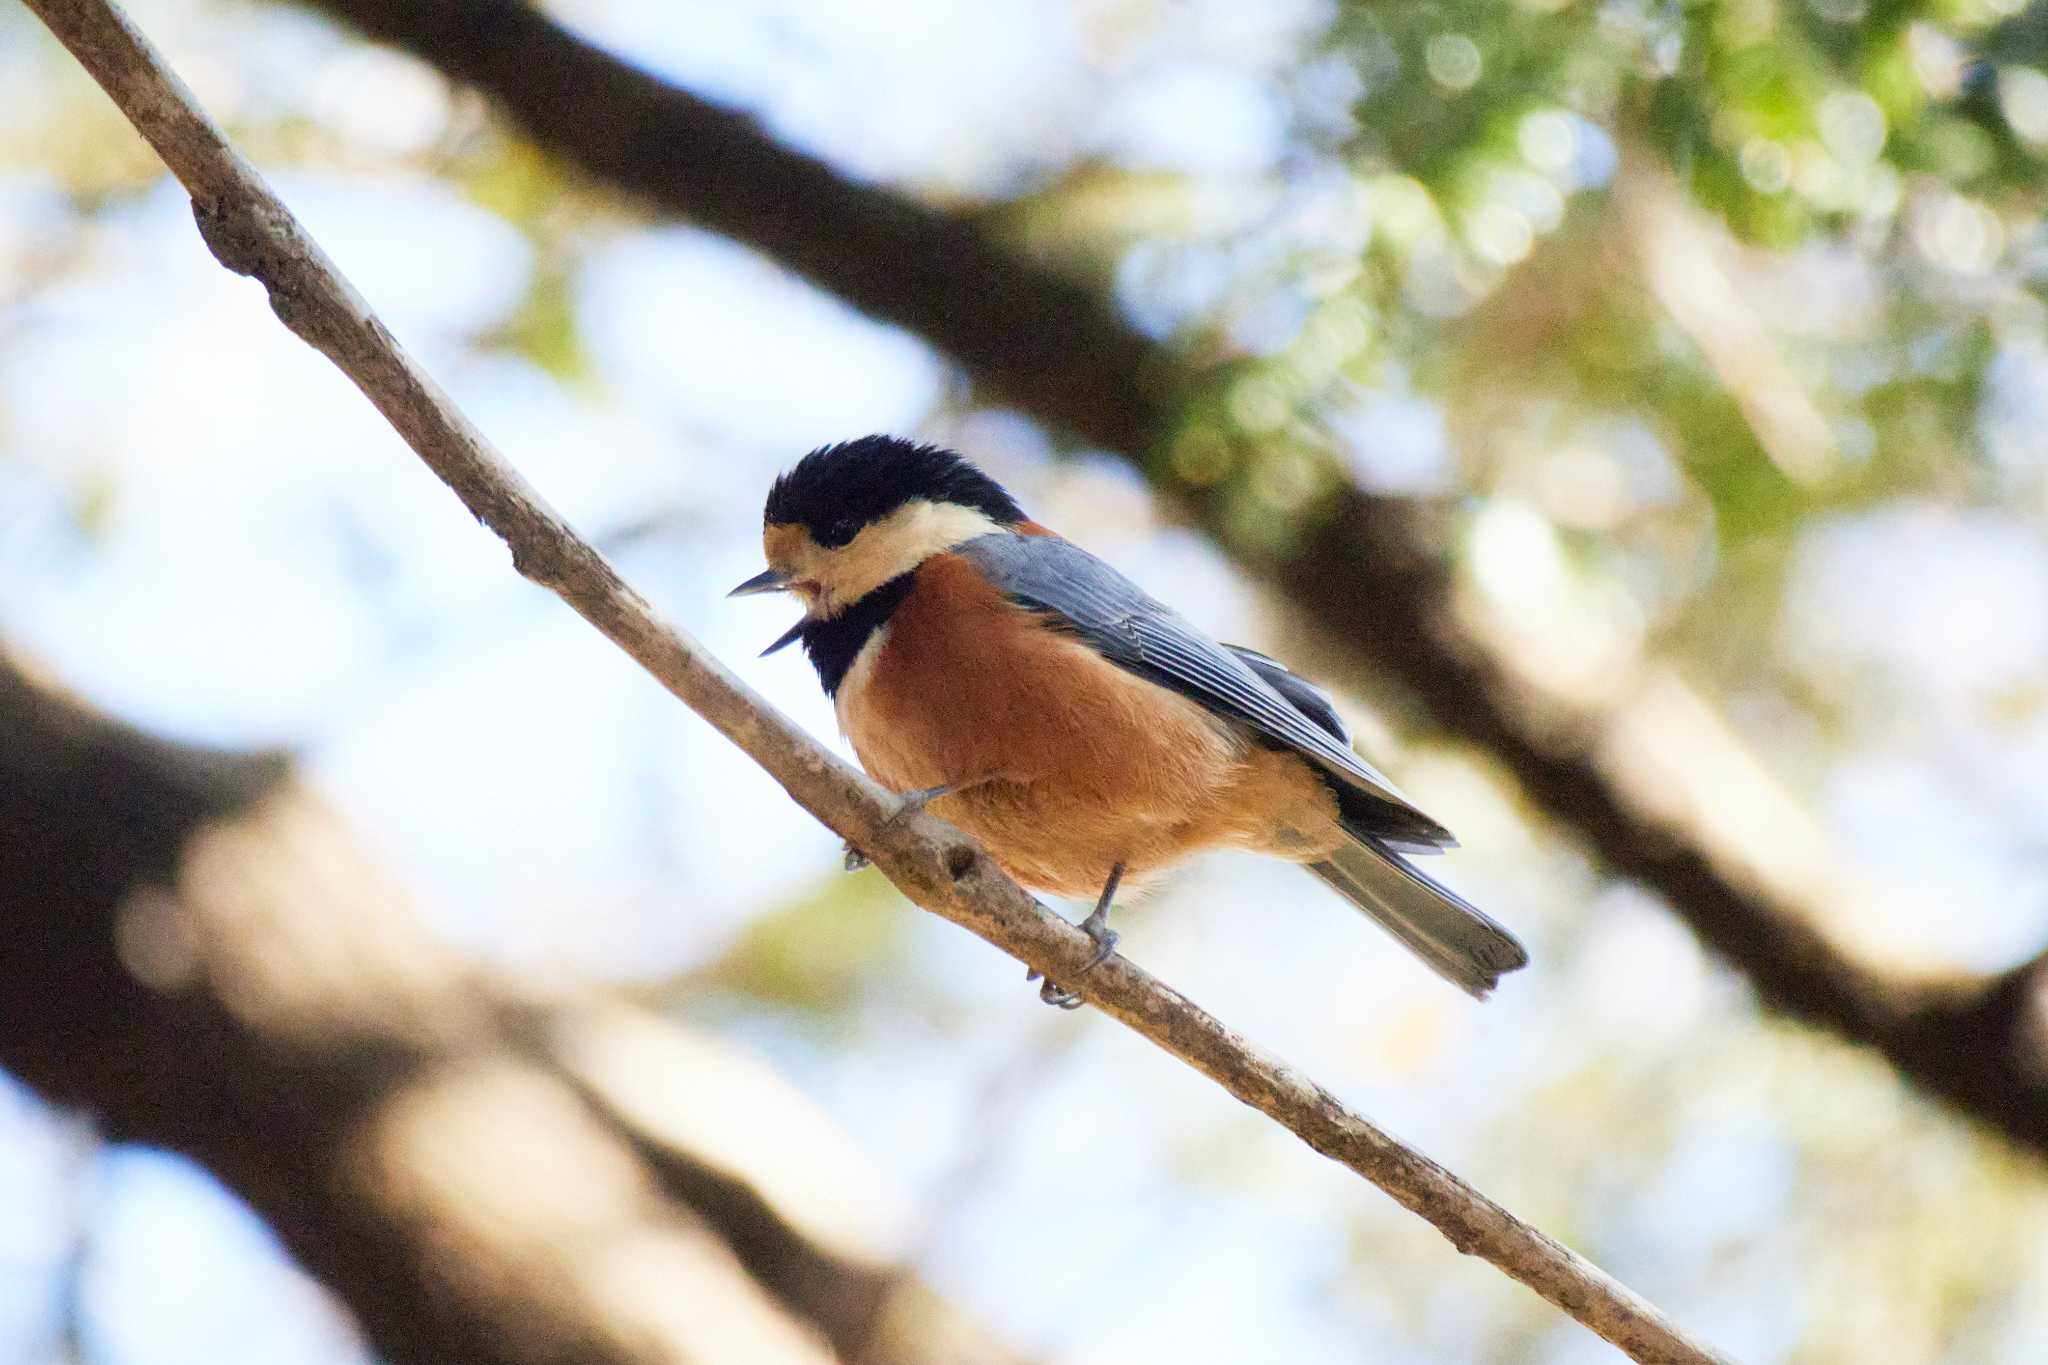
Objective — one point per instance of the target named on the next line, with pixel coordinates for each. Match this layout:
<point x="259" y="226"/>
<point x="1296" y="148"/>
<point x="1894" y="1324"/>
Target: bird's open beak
<point x="787" y="638"/>
<point x="768" y="580"/>
<point x="772" y="580"/>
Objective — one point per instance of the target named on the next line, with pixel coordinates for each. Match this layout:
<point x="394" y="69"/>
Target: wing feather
<point x="1305" y="696"/>
<point x="1136" y="631"/>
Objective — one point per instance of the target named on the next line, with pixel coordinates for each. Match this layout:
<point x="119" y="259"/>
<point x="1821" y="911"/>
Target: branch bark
<point x="1365" y="574"/>
<point x="252" y="232"/>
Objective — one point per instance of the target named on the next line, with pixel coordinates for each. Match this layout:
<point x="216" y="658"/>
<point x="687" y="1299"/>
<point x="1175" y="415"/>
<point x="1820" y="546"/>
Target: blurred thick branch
<point x="1368" y="575"/>
<point x="1047" y="343"/>
<point x="252" y="232"/>
<point x="196" y="955"/>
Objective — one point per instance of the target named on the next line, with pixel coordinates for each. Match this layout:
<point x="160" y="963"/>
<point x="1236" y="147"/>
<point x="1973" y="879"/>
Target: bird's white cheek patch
<point x="897" y="544"/>
<point x="853" y="687"/>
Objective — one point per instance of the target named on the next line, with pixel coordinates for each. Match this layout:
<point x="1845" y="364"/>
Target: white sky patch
<point x="1950" y="601"/>
<point x="560" y="809"/>
<point x="424" y="257"/>
<point x="711" y="337"/>
<point x="255" y="517"/>
<point x="380" y="100"/>
<point x="1960" y="889"/>
<point x="1394" y="442"/>
<point x="599" y="466"/>
<point x="44" y="1194"/>
<point x="1194" y="118"/>
<point x="178" y="1266"/>
<point x="921" y="90"/>
<point x="35" y="218"/>
<point x="2013" y="418"/>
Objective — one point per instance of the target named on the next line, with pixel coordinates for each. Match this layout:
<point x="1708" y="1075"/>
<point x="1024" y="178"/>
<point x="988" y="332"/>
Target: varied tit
<point x="1086" y="734"/>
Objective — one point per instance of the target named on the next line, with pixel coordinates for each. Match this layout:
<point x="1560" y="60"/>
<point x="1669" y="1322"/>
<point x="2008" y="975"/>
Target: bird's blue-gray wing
<point x="1081" y="594"/>
<point x="1306" y="697"/>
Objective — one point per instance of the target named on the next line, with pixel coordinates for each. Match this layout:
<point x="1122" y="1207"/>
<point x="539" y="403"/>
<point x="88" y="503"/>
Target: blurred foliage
<point x="1462" y="216"/>
<point x="544" y="328"/>
<point x="1642" y="300"/>
<point x="815" y="955"/>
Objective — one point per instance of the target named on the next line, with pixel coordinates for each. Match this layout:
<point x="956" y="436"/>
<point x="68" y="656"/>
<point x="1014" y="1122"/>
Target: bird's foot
<point x="908" y="804"/>
<point x="1059" y="997"/>
<point x="1096" y="926"/>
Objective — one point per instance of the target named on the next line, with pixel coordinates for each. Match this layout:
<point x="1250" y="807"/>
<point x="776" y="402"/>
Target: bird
<point x="1087" y="735"/>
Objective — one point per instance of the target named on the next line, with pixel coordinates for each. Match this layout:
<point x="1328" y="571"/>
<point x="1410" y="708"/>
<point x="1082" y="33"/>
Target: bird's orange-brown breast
<point x="1077" y="763"/>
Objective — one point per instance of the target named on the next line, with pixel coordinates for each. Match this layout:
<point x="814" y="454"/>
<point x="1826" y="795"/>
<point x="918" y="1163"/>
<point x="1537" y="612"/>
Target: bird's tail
<point x="1461" y="942"/>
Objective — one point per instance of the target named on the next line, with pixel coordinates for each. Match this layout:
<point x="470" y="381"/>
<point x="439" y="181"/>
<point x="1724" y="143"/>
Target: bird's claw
<point x="1059" y="997"/>
<point x="908" y="804"/>
<point x="1106" y="940"/>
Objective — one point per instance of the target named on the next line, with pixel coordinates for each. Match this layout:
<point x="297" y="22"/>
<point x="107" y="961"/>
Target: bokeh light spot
<point x="1454" y="61"/>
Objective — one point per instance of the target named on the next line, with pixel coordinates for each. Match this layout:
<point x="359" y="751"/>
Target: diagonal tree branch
<point x="252" y="232"/>
<point x="1362" y="573"/>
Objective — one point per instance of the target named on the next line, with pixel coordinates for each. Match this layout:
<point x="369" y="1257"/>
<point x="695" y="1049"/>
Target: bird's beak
<point x="787" y="638"/>
<point x="772" y="580"/>
<point x="768" y="580"/>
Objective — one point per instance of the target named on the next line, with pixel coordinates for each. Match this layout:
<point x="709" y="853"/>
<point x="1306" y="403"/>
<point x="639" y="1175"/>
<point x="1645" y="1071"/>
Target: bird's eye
<point x="841" y="532"/>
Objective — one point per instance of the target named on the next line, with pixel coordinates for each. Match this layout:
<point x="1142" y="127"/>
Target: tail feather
<point x="1458" y="940"/>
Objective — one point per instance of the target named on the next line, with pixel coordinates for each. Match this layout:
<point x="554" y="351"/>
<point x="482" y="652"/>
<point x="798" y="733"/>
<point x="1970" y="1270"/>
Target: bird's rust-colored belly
<point x="1075" y="764"/>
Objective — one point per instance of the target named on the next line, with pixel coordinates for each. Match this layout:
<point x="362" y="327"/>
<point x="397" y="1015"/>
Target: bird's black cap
<point x="837" y="489"/>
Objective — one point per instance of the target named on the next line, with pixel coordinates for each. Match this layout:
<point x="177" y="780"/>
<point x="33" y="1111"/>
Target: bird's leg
<point x="908" y="803"/>
<point x="1096" y="926"/>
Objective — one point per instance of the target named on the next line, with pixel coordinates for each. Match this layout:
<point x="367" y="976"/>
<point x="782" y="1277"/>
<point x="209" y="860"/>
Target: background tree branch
<point x="198" y="957"/>
<point x="1367" y="572"/>
<point x="252" y="232"/>
<point x="1047" y="343"/>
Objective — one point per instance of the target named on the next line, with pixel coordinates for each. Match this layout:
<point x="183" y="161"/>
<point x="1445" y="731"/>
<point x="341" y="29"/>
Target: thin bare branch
<point x="253" y="233"/>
